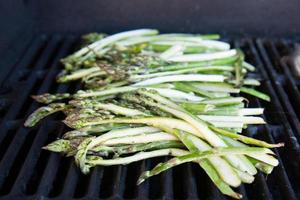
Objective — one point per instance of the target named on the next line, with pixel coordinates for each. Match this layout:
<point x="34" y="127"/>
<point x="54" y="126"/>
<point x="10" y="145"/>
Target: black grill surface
<point x="27" y="172"/>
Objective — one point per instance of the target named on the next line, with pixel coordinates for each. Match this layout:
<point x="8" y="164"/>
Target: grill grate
<point x="27" y="172"/>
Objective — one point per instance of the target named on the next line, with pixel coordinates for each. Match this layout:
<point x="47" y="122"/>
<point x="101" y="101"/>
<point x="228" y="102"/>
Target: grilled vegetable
<point x="148" y="94"/>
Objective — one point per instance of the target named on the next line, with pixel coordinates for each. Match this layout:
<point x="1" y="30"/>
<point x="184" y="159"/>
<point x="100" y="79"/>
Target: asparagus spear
<point x="42" y="112"/>
<point x="102" y="150"/>
<point x="201" y="155"/>
<point x="49" y="98"/>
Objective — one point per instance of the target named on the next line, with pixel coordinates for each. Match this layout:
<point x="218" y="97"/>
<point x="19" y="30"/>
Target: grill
<point x="36" y="34"/>
<point x="27" y="172"/>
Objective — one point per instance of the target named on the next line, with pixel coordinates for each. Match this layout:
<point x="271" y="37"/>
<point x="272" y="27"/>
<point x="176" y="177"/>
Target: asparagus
<point x="263" y="158"/>
<point x="190" y="88"/>
<point x="153" y="137"/>
<point x="125" y="132"/>
<point x="102" y="150"/>
<point x="239" y="162"/>
<point x="94" y="130"/>
<point x="255" y="93"/>
<point x="138" y="156"/>
<point x="182" y="71"/>
<point x="201" y="155"/>
<point x="203" y="57"/>
<point x="59" y="146"/>
<point x="245" y="139"/>
<point x="189" y="77"/>
<point x="93" y="37"/>
<point x="42" y="112"/>
<point x="178" y="66"/>
<point x="195" y="144"/>
<point x="100" y="44"/>
<point x="49" y="98"/>
<point x="244" y="120"/>
<point x="148" y="94"/>
<point x="169" y="122"/>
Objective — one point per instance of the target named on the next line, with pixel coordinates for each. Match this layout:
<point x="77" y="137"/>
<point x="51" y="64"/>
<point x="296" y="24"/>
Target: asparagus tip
<point x="238" y="196"/>
<point x="281" y="144"/>
<point x="28" y="123"/>
<point x="49" y="98"/>
<point x="143" y="177"/>
<point x="58" y="146"/>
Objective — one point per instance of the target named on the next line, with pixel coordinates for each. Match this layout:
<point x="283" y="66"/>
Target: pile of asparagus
<point x="149" y="94"/>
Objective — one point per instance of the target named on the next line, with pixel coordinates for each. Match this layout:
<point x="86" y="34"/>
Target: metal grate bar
<point x="25" y="90"/>
<point x="290" y="85"/>
<point x="70" y="181"/>
<point x="167" y="183"/>
<point x="191" y="184"/>
<point x="280" y="171"/>
<point x="287" y="128"/>
<point x="16" y="56"/>
<point x="20" y="140"/>
<point x="41" y="138"/>
<point x="50" y="171"/>
<point x="11" y="153"/>
<point x="95" y="181"/>
<point x="281" y="94"/>
<point x="142" y="190"/>
<point x="29" y="59"/>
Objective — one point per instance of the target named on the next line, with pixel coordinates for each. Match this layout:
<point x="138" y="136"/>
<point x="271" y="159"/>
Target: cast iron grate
<point x="27" y="172"/>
